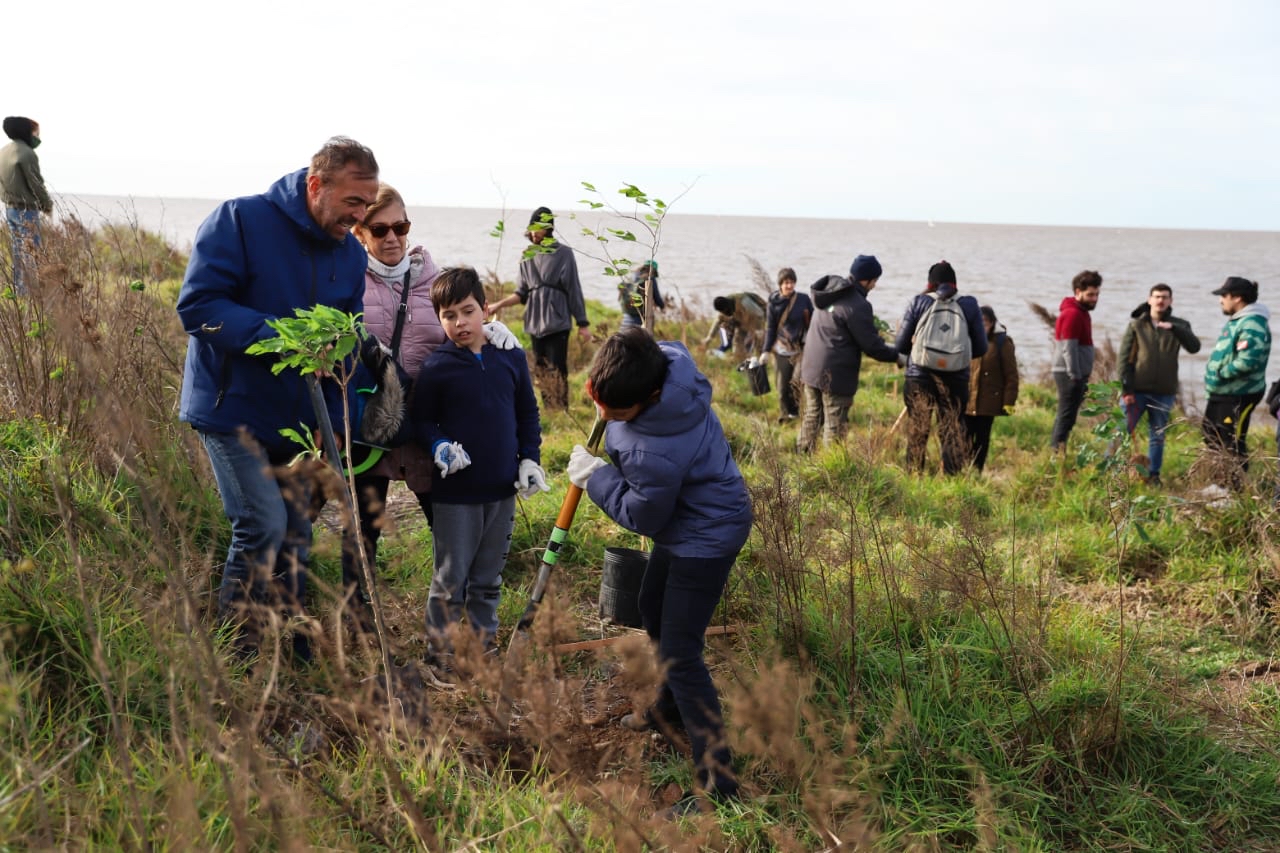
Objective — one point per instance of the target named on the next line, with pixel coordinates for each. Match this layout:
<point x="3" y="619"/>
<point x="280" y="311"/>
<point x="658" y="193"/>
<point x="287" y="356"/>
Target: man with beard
<point x="256" y="259"/>
<point x="1236" y="374"/>
<point x="1149" y="369"/>
<point x="1073" y="352"/>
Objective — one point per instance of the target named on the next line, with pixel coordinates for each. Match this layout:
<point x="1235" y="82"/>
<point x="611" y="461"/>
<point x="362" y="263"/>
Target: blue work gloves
<point x="449" y="457"/>
<point x="531" y="479"/>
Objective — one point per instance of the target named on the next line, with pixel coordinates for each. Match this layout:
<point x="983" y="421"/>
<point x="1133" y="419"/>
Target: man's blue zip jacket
<point x="256" y="259"/>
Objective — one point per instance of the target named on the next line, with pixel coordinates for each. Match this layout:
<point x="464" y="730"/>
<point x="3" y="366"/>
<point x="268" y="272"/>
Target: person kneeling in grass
<point x="468" y="387"/>
<point x="674" y="480"/>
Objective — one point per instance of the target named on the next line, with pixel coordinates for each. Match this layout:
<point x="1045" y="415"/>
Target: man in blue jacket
<point x="256" y="259"/>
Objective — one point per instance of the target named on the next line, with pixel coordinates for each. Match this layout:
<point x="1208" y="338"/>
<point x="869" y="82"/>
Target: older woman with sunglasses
<point x="396" y="275"/>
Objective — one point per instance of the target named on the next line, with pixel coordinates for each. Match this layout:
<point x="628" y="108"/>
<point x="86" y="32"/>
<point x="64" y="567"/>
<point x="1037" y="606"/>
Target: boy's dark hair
<point x="628" y="368"/>
<point x="786" y="274"/>
<point x="1085" y="280"/>
<point x="454" y="285"/>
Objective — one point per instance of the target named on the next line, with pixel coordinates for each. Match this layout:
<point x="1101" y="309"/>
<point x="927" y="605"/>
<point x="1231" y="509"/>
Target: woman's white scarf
<point x="390" y="274"/>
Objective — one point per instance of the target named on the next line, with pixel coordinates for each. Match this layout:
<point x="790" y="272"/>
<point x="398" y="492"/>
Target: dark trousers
<point x="1070" y="397"/>
<point x="978" y="429"/>
<point x="678" y="596"/>
<point x="1226" y="430"/>
<point x="371" y="504"/>
<point x="945" y="394"/>
<point x="551" y="369"/>
<point x="788" y="404"/>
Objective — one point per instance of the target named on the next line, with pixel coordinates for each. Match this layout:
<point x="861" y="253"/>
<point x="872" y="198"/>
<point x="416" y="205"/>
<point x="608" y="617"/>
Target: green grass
<point x="1049" y="656"/>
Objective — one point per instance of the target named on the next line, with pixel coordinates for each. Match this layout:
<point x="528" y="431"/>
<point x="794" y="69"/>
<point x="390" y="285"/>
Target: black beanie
<point x="865" y="268"/>
<point x="723" y="304"/>
<point x="19" y="127"/>
<point x="543" y="219"/>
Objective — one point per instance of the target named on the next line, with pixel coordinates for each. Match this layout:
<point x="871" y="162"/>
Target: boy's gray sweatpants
<point x="471" y="544"/>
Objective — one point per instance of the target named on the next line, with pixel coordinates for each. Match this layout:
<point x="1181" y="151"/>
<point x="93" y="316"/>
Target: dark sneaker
<point x="636" y="723"/>
<point x="688" y="805"/>
<point x="1154" y="480"/>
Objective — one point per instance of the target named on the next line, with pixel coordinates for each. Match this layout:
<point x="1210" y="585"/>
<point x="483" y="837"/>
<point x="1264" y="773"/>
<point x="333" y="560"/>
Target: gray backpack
<point x="941" y="341"/>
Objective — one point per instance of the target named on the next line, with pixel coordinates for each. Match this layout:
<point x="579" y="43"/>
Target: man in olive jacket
<point x="24" y="194"/>
<point x="842" y="329"/>
<point x="1236" y="374"/>
<point x="1149" y="369"/>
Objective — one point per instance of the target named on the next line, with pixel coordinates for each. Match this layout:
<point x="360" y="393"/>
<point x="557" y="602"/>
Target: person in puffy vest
<point x="993" y="387"/>
<point x="1149" y="369"/>
<point x="1236" y="374"/>
<point x="937" y="391"/>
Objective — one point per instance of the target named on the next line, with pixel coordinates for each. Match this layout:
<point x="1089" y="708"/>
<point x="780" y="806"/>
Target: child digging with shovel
<point x="673" y="479"/>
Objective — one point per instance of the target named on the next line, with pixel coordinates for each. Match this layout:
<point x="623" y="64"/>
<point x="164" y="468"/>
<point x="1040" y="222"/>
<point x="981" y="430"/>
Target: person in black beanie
<point x="551" y="292"/>
<point x="936" y="386"/>
<point x="24" y="194"/>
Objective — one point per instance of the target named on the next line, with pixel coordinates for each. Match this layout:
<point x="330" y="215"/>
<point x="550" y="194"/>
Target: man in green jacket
<point x="1149" y="369"/>
<point x="1236" y="375"/>
<point x="24" y="195"/>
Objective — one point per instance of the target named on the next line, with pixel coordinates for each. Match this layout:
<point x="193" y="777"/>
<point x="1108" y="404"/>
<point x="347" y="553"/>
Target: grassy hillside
<point x="1050" y="656"/>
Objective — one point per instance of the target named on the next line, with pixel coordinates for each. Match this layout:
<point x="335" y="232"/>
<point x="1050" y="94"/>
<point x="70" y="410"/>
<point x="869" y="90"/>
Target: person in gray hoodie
<point x="842" y="329"/>
<point x="551" y="292"/>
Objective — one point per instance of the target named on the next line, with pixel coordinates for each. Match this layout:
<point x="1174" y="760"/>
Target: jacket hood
<point x="1256" y="308"/>
<point x="289" y="195"/>
<point x="1142" y="310"/>
<point x="1069" y="303"/>
<point x="829" y="288"/>
<point x="685" y="399"/>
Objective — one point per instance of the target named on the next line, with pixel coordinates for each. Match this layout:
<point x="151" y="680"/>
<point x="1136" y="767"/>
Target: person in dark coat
<point x="842" y="329"/>
<point x="993" y="387"/>
<point x="786" y="324"/>
<point x="256" y="259"/>
<point x="944" y="392"/>
<point x="673" y="479"/>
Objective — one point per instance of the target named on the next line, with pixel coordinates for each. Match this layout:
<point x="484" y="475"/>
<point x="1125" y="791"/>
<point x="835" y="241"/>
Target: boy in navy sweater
<point x="470" y="389"/>
<point x="674" y="480"/>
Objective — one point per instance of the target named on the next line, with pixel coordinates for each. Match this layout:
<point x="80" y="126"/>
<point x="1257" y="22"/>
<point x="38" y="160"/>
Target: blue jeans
<point x="678" y="596"/>
<point x="1158" y="407"/>
<point x="24" y="226"/>
<point x="270" y="532"/>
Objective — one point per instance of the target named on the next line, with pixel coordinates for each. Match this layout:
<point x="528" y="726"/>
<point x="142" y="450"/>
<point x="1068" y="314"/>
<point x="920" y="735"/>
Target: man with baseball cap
<point x="1236" y="375"/>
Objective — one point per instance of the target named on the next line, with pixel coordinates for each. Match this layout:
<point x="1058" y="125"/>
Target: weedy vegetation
<point x="1050" y="656"/>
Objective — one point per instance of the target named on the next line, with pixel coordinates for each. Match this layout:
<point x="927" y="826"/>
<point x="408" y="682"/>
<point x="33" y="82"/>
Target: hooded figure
<point x="25" y="197"/>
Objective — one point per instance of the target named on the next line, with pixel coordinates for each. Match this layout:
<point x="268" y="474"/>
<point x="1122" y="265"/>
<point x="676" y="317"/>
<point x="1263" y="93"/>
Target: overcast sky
<point x="1121" y="113"/>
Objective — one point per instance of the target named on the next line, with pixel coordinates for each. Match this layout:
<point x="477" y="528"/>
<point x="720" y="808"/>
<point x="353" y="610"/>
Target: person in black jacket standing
<point x="785" y="326"/>
<point x="842" y="329"/>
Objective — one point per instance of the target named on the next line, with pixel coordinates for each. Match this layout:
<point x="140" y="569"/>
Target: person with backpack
<point x="785" y="327"/>
<point x="631" y="293"/>
<point x="940" y="334"/>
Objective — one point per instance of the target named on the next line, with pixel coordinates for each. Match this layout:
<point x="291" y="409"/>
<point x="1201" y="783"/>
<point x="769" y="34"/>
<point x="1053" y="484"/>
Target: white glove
<point x="500" y="336"/>
<point x="753" y="363"/>
<point x="531" y="479"/>
<point x="582" y="465"/>
<point x="764" y="358"/>
<point x="450" y="458"/>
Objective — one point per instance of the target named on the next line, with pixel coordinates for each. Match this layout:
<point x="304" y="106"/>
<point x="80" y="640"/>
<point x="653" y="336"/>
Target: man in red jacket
<point x="1073" y="352"/>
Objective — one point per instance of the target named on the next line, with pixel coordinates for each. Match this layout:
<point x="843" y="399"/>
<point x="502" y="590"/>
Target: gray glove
<point x="531" y="479"/>
<point x="582" y="464"/>
<point x="500" y="336"/>
<point x="449" y="457"/>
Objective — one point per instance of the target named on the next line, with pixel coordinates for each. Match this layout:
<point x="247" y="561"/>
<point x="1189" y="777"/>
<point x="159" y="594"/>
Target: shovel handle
<point x="551" y="556"/>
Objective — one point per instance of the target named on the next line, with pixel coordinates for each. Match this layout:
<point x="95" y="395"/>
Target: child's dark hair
<point x="628" y="368"/>
<point x="454" y="285"/>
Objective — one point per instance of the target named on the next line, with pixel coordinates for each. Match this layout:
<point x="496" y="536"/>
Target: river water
<point x="1009" y="267"/>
